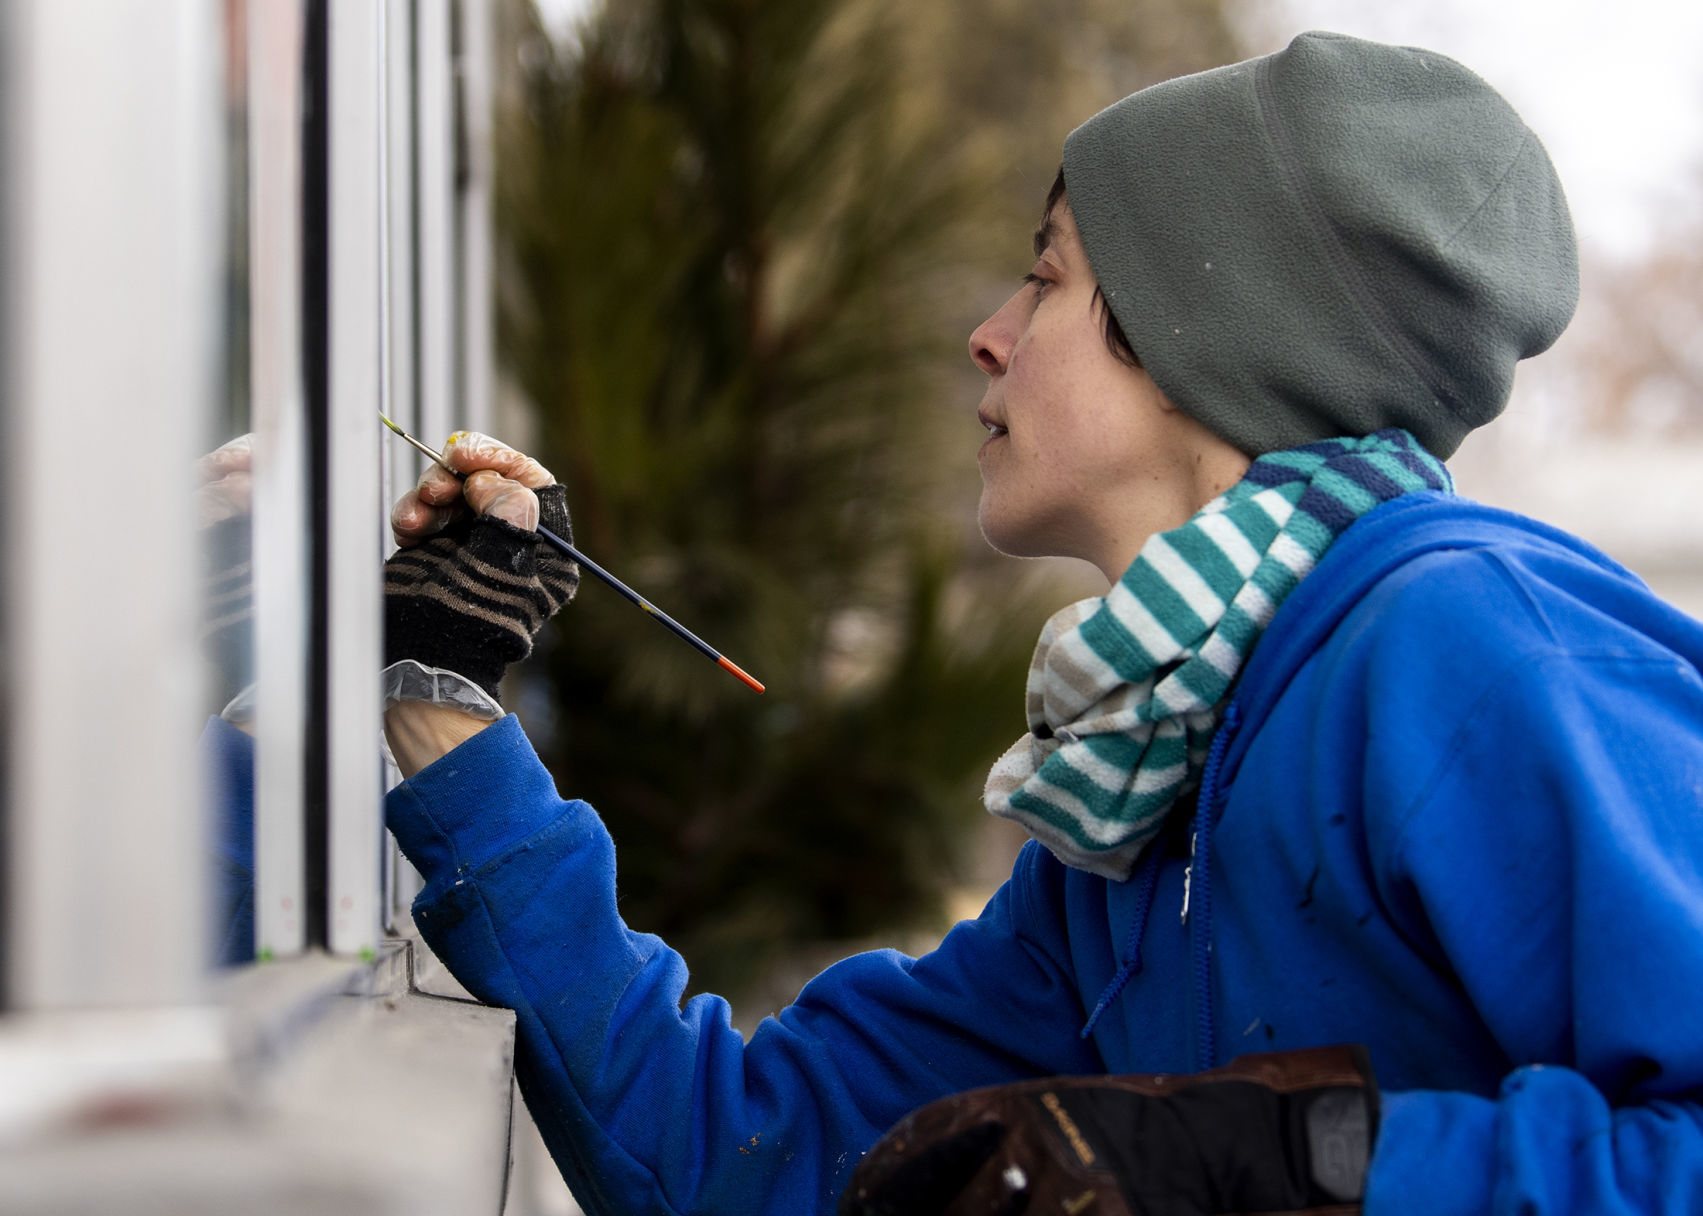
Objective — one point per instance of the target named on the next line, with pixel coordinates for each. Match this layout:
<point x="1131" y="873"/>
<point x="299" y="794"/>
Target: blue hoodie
<point x="1454" y="813"/>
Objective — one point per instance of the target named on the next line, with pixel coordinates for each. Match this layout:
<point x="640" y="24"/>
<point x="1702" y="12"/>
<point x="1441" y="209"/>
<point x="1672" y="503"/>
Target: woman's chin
<point x="1013" y="537"/>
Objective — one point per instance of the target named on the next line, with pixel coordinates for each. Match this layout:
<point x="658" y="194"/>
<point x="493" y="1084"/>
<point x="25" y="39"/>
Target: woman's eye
<point x="1035" y="280"/>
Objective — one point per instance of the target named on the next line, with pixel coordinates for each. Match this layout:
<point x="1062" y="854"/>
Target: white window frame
<point x="279" y="413"/>
<point x="122" y="1060"/>
<point x="111" y="314"/>
<point x="358" y="282"/>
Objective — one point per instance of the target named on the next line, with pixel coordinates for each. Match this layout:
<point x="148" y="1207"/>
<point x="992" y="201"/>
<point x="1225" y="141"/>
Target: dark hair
<point x="1116" y="341"/>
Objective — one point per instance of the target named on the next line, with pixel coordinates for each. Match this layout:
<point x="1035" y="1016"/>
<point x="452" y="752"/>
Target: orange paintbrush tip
<point x="734" y="668"/>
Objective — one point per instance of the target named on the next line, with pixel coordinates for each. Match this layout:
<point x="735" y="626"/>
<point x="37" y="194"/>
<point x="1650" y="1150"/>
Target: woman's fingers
<point x="496" y="480"/>
<point x="469" y="451"/>
<point x="489" y="493"/>
<point x="234" y="456"/>
<point x="413" y="519"/>
<point x="438" y="486"/>
<point x="416" y="517"/>
<point x="225" y="482"/>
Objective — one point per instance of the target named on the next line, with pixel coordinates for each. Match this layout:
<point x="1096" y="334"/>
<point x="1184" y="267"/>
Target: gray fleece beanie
<point x="1337" y="238"/>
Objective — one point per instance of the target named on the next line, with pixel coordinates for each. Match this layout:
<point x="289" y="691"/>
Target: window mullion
<point x="354" y="653"/>
<point x="279" y="410"/>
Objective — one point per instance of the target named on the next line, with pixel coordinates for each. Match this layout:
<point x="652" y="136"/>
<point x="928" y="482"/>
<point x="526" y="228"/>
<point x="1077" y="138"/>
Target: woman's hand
<point x="471" y="584"/>
<point x="499" y="482"/>
<point x="224" y="480"/>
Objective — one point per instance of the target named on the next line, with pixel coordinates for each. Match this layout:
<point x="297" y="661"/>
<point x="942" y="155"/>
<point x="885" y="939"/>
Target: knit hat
<point x="1331" y="240"/>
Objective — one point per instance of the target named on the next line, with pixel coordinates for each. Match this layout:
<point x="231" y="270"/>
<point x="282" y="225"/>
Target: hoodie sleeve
<point x="651" y="1106"/>
<point x="227" y="775"/>
<point x="1553" y="860"/>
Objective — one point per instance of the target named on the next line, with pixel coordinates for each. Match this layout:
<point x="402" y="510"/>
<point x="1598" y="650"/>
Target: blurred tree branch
<point x="1639" y="354"/>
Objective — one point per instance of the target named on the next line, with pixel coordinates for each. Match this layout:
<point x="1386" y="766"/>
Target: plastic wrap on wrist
<point x="240" y="708"/>
<point x="411" y="680"/>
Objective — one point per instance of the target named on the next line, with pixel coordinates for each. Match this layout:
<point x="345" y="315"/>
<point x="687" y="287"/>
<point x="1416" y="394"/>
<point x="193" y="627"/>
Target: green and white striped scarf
<point x="1125" y="690"/>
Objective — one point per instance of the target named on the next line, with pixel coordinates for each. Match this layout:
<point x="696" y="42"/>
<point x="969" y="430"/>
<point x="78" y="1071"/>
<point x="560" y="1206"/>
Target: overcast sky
<point x="1615" y="92"/>
<point x="1617" y="99"/>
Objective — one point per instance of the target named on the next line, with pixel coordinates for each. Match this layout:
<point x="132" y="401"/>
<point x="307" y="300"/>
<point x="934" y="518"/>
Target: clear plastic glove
<point x="499" y="482"/>
<point x="411" y="680"/>
<point x="225" y="482"/>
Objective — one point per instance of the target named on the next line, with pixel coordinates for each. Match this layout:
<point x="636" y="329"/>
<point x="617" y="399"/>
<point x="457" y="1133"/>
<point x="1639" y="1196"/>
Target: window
<point x="219" y="217"/>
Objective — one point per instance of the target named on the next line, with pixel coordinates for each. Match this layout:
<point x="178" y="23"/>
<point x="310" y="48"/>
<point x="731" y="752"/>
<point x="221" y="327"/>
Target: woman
<point x="1339" y="759"/>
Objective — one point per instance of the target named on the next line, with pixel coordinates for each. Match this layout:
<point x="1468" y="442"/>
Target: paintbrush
<point x="585" y="562"/>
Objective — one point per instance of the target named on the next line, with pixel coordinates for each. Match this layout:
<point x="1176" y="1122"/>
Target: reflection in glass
<point x="224" y="504"/>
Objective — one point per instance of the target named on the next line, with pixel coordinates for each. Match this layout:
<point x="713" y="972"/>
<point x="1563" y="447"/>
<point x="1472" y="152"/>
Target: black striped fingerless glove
<point x="471" y="599"/>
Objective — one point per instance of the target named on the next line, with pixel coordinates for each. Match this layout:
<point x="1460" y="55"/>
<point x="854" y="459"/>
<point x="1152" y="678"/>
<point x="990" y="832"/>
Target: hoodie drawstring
<point x="1149" y="880"/>
<point x="1197" y="890"/>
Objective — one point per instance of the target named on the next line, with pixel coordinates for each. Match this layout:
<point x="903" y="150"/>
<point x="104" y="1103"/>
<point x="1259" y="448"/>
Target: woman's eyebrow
<point x="1045" y="234"/>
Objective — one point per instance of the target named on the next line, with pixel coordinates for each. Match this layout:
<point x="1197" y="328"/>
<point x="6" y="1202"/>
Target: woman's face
<point x="1085" y="457"/>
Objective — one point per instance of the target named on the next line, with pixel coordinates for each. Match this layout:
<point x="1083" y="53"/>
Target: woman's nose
<point x="990" y="343"/>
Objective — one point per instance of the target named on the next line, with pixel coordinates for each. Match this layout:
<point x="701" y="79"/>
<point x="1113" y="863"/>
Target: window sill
<point x="315" y="1084"/>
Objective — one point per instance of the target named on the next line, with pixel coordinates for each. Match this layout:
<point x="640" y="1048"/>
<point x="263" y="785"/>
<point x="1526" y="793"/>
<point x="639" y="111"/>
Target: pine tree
<point x="743" y="242"/>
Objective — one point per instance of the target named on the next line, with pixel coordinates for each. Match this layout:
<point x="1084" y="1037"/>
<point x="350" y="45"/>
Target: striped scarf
<point x="1125" y="690"/>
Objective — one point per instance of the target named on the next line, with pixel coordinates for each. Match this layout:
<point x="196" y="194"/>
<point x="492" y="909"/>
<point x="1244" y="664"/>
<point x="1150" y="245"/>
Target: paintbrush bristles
<point x="418" y="446"/>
